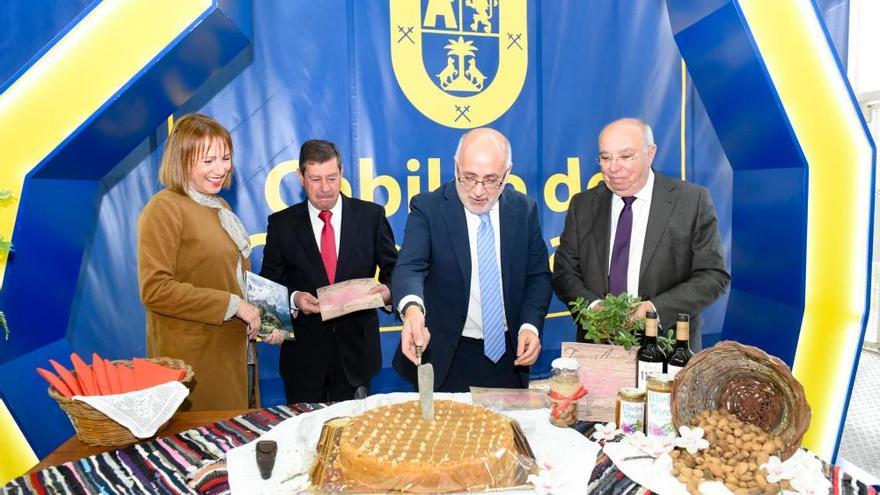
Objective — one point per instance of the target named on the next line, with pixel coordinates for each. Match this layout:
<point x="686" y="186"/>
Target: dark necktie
<point x="328" y="245"/>
<point x="620" y="250"/>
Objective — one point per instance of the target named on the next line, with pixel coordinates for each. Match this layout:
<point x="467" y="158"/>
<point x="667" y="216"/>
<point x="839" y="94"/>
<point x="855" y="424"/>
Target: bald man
<point x="472" y="281"/>
<point x="642" y="233"/>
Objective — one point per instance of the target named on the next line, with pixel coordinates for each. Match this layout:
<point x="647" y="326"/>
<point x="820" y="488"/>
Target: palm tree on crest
<point x="461" y="49"/>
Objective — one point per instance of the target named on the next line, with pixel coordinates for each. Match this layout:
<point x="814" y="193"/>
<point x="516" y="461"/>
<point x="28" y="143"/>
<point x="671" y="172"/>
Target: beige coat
<point x="186" y="269"/>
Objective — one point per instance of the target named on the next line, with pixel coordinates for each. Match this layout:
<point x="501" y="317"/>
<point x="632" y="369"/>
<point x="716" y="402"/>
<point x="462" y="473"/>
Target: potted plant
<point x="6" y="199"/>
<point x="612" y="322"/>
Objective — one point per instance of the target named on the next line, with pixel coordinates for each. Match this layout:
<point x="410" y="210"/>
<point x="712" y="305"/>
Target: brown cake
<point x="392" y="448"/>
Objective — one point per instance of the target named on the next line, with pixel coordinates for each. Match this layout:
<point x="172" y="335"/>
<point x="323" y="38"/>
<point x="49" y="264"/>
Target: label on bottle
<point x="632" y="416"/>
<point x="672" y="369"/>
<point x="659" y="415"/>
<point x="646" y="368"/>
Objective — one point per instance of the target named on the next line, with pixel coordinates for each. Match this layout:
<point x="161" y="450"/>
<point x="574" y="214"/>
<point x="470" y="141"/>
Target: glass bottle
<point x="650" y="358"/>
<point x="681" y="354"/>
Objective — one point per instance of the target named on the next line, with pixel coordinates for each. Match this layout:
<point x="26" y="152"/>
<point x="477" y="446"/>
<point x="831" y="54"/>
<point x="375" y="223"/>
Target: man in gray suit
<point x="642" y="233"/>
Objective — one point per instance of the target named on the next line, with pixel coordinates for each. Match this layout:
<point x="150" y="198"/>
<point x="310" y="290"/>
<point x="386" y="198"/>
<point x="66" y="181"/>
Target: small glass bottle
<point x="565" y="390"/>
<point x="630" y="410"/>
<point x="658" y="413"/>
<point x="650" y="358"/>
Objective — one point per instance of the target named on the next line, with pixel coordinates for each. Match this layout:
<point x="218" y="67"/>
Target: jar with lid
<point x="658" y="414"/>
<point x="565" y="390"/>
<point x="630" y="410"/>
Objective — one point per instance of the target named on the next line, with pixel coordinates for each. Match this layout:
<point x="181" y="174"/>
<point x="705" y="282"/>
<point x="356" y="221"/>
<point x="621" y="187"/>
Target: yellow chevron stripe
<point x="815" y="98"/>
<point x="56" y="95"/>
<point x="16" y="456"/>
<point x="76" y="76"/>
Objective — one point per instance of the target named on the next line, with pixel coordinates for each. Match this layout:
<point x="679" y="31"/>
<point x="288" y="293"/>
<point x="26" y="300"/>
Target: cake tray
<point x="325" y="473"/>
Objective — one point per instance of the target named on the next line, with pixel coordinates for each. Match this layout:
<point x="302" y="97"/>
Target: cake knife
<point x="426" y="386"/>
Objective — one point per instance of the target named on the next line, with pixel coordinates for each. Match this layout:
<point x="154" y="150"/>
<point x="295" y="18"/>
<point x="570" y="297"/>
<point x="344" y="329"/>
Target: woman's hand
<point x="249" y="314"/>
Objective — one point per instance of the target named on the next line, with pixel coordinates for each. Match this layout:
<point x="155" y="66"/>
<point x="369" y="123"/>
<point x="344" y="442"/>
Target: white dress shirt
<point x="317" y="226"/>
<point x="473" y="325"/>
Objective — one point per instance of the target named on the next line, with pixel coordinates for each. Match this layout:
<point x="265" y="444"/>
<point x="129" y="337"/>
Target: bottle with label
<point x="658" y="412"/>
<point x="630" y="412"/>
<point x="681" y="354"/>
<point x="650" y="358"/>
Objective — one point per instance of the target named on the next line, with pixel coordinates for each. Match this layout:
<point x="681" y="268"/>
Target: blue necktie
<point x="620" y="254"/>
<point x="490" y="292"/>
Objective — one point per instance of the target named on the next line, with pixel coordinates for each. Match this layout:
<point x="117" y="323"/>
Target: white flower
<point x="815" y="484"/>
<point x="606" y="432"/>
<point x="657" y="446"/>
<point x="777" y="470"/>
<point x="547" y="481"/>
<point x="691" y="439"/>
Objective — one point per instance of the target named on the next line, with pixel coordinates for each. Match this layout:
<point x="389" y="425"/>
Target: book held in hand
<point x="274" y="304"/>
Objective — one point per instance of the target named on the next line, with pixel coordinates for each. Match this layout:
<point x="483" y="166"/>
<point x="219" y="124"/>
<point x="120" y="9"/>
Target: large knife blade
<point x="426" y="386"/>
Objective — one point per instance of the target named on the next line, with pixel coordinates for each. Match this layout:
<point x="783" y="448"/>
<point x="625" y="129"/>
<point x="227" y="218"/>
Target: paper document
<point x="347" y="297"/>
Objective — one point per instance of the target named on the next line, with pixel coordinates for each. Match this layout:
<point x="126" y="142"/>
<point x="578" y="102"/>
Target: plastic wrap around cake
<point x="393" y="449"/>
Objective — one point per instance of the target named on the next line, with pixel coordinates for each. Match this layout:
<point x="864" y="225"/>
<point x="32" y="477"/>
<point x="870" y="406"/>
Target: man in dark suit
<point x="332" y="360"/>
<point x="642" y="233"/>
<point x="473" y="269"/>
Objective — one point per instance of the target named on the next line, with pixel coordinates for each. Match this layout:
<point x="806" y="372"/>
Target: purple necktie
<point x="620" y="251"/>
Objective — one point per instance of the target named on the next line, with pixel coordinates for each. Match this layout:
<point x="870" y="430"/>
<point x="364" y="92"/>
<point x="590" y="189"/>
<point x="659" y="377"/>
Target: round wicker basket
<point x="95" y="428"/>
<point x="754" y="386"/>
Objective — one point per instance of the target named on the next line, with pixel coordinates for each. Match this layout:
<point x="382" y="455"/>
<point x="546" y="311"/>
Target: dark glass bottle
<point x="682" y="352"/>
<point x="650" y="358"/>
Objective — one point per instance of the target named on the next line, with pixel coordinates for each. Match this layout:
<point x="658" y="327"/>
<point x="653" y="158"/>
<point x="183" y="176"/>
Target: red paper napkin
<point x="56" y="382"/>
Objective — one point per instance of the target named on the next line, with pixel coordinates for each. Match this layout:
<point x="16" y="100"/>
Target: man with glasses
<point x="641" y="233"/>
<point x="472" y="282"/>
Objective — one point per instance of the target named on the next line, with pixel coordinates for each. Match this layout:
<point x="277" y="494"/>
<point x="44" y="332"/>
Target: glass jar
<point x="565" y="390"/>
<point x="630" y="410"/>
<point x="658" y="414"/>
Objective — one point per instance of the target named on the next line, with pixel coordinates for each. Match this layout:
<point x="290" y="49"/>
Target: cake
<point x="392" y="448"/>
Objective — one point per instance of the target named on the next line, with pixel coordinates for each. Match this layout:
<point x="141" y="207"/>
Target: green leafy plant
<point x="611" y="321"/>
<point x="667" y="342"/>
<point x="6" y="199"/>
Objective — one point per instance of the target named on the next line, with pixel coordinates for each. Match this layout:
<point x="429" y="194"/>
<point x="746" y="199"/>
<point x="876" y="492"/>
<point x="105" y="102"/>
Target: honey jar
<point x="658" y="413"/>
<point x="630" y="410"/>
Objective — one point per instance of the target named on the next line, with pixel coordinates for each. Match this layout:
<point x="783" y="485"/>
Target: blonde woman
<point x="192" y="255"/>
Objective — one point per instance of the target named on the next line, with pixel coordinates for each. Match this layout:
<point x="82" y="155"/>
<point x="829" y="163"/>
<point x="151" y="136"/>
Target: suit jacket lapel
<point x="453" y="213"/>
<point x="662" y="203"/>
<point x="603" y="230"/>
<point x="347" y="236"/>
<point x="507" y="238"/>
<point x="306" y="237"/>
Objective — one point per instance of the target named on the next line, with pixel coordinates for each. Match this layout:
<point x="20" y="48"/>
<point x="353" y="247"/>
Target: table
<point x="74" y="449"/>
<point x="192" y="461"/>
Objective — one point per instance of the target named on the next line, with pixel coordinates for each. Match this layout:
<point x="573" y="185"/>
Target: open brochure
<point x="274" y="303"/>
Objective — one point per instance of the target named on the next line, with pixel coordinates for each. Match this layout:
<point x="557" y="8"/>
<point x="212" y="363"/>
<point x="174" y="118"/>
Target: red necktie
<point x="328" y="245"/>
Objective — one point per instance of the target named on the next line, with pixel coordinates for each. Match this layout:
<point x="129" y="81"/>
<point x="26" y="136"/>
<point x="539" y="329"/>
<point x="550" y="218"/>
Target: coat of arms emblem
<point x="462" y="63"/>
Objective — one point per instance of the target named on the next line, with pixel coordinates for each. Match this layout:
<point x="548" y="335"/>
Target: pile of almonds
<point x="736" y="452"/>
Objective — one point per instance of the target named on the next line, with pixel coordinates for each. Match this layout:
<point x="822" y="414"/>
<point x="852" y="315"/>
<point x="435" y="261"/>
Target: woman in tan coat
<point x="192" y="255"/>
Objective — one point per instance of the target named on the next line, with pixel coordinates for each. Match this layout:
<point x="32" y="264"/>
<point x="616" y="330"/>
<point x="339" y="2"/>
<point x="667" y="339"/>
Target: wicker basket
<point x="95" y="428"/>
<point x="754" y="386"/>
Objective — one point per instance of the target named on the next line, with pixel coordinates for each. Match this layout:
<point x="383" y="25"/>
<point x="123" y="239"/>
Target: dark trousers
<point x="471" y="368"/>
<point x="335" y="386"/>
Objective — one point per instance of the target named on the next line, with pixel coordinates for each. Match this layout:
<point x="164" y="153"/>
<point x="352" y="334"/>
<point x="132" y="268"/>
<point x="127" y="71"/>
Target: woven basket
<point x="754" y="386"/>
<point x="95" y="428"/>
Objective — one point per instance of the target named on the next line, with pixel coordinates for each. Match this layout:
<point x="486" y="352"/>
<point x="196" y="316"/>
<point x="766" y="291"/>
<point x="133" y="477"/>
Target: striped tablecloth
<point x="192" y="462"/>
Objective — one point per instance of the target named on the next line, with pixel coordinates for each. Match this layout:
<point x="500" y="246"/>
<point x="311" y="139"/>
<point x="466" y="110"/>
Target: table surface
<point x="74" y="449"/>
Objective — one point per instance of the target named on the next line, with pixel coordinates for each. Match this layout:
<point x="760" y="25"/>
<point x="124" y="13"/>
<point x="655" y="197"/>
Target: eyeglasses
<point x="605" y="159"/>
<point x="488" y="184"/>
